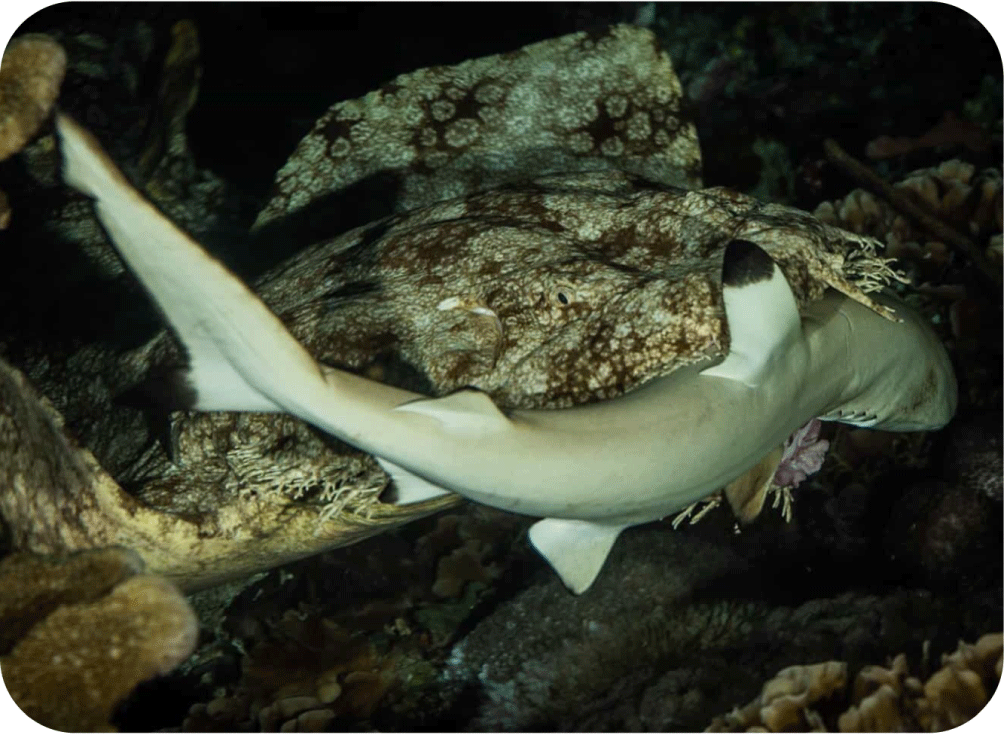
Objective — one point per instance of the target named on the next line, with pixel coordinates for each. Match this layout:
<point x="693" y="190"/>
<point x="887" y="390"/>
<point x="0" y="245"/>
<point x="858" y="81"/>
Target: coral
<point x="30" y="75"/>
<point x="463" y="548"/>
<point x="306" y="673"/>
<point x="359" y="626"/>
<point x="954" y="191"/>
<point x="806" y="698"/>
<point x="949" y="130"/>
<point x="960" y="690"/>
<point x="31" y="586"/>
<point x="788" y="701"/>
<point x="97" y="631"/>
<point x="877" y="693"/>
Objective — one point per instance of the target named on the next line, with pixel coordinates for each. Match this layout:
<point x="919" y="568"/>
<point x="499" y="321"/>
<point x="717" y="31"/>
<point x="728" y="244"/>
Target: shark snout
<point x="919" y="391"/>
<point x="927" y="403"/>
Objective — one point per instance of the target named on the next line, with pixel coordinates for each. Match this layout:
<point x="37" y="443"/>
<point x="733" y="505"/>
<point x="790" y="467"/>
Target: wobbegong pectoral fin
<point x="576" y="549"/>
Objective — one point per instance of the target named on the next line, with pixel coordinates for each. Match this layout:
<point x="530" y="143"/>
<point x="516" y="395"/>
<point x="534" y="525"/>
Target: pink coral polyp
<point x="803" y="455"/>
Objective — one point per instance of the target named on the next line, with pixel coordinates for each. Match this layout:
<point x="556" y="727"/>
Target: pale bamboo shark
<point x="589" y="471"/>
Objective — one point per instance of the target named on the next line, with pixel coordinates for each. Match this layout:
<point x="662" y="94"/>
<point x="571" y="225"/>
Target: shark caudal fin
<point x="576" y="549"/>
<point x="241" y="357"/>
<point x="761" y="309"/>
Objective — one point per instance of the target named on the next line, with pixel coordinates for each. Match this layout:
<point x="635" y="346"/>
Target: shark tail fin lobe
<point x="761" y="309"/>
<point x="241" y="357"/>
<point x="86" y="167"/>
<point x="576" y="549"/>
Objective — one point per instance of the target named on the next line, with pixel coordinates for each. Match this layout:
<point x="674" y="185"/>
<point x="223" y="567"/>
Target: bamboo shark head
<point x="902" y="378"/>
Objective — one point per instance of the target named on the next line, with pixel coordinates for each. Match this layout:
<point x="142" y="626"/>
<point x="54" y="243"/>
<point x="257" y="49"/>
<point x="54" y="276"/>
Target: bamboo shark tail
<point x="240" y="355"/>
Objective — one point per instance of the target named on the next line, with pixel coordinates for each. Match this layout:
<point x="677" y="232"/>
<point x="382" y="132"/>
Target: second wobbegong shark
<point x="590" y="471"/>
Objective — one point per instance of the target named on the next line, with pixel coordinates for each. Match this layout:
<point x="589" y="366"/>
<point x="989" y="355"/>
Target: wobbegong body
<point x="589" y="471"/>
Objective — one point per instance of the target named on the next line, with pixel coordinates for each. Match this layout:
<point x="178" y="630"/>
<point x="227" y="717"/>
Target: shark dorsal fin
<point x="467" y="411"/>
<point x="576" y="549"/>
<point x="761" y="309"/>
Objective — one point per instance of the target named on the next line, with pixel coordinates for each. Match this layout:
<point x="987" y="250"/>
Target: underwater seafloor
<point x="453" y="621"/>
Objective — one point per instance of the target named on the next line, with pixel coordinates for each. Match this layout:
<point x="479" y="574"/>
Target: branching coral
<point x="927" y="212"/>
<point x="84" y="636"/>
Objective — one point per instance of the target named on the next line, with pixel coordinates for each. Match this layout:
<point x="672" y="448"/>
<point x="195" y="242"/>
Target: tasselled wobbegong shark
<point x="590" y="471"/>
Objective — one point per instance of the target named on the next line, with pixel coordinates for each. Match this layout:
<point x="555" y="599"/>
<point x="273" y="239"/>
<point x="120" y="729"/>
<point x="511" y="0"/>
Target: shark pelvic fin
<point x="467" y="411"/>
<point x="410" y="488"/>
<point x="576" y="549"/>
<point x="746" y="493"/>
<point x="761" y="310"/>
<point x="240" y="356"/>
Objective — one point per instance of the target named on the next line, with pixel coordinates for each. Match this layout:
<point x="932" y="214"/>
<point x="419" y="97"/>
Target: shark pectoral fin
<point x="576" y="549"/>
<point x="410" y="488"/>
<point x="761" y="309"/>
<point x="467" y="411"/>
<point x="746" y="494"/>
